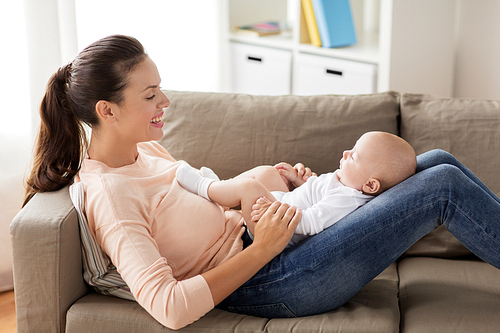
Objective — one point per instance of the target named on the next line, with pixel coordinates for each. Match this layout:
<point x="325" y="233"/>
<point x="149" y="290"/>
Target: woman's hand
<point x="277" y="223"/>
<point x="272" y="234"/>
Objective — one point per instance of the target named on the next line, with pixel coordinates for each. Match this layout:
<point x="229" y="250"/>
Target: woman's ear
<point x="372" y="186"/>
<point x="105" y="111"/>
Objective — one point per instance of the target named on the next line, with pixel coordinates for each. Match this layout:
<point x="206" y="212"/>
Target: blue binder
<point x="335" y="23"/>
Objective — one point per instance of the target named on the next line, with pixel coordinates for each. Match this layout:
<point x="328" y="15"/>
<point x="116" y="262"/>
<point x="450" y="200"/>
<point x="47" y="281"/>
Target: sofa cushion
<point x="98" y="270"/>
<point x="470" y="130"/>
<point x="443" y="295"/>
<point x="232" y="133"/>
<point x="375" y="309"/>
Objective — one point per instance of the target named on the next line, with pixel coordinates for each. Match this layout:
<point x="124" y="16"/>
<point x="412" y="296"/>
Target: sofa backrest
<point x="232" y="133"/>
<point x="467" y="128"/>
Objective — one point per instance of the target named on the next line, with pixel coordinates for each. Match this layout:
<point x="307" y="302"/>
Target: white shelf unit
<point x="411" y="43"/>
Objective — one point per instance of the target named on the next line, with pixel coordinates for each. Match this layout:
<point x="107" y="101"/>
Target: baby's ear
<point x="372" y="186"/>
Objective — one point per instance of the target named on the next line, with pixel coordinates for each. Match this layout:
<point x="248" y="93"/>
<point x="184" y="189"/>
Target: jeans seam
<point x="262" y="284"/>
<point x="282" y="305"/>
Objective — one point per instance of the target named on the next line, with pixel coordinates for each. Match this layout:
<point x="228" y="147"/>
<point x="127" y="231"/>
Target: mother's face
<point x="139" y="117"/>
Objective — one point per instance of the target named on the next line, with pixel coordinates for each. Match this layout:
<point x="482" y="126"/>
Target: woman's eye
<point x="150" y="98"/>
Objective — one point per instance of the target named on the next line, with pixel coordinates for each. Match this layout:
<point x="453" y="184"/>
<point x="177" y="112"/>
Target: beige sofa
<point x="437" y="286"/>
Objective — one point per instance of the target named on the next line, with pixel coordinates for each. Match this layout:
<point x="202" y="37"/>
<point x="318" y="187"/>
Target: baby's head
<point x="377" y="162"/>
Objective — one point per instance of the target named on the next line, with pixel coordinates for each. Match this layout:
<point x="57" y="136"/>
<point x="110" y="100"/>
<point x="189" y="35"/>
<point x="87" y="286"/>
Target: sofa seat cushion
<point x="375" y="309"/>
<point x="443" y="295"/>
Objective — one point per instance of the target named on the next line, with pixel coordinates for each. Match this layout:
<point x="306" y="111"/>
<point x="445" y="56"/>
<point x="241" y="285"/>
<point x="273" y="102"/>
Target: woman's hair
<point x="99" y="72"/>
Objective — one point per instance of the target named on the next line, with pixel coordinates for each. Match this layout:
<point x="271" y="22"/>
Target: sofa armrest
<point x="47" y="262"/>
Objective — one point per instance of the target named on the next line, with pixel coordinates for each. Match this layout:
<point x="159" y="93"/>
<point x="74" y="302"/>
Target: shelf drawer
<point x="260" y="70"/>
<point x="318" y="75"/>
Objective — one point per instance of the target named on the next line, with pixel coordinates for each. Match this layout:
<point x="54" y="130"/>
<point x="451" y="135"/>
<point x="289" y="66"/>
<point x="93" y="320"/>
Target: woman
<point x="141" y="216"/>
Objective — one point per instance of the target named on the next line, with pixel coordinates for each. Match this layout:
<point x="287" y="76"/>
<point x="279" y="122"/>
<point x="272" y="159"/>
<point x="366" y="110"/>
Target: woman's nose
<point x="165" y="102"/>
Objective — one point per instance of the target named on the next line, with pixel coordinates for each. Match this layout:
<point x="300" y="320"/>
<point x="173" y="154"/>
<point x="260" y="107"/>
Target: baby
<point x="377" y="162"/>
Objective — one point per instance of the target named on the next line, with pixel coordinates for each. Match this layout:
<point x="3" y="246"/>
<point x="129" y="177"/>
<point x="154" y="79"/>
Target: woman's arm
<point x="272" y="234"/>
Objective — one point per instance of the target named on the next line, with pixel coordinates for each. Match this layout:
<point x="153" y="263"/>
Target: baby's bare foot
<point x="259" y="208"/>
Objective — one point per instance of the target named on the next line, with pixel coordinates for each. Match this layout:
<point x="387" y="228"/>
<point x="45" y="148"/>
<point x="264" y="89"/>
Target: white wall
<point x="477" y="73"/>
<point x="15" y="126"/>
<point x="181" y="37"/>
<point x="422" y="46"/>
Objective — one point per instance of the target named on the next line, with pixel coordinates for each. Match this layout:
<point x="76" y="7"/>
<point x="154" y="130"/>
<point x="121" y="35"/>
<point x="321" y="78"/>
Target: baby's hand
<point x="259" y="208"/>
<point x="303" y="174"/>
<point x="294" y="176"/>
<point x="288" y="173"/>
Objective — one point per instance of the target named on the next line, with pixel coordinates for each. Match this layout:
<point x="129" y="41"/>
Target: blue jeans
<point x="326" y="270"/>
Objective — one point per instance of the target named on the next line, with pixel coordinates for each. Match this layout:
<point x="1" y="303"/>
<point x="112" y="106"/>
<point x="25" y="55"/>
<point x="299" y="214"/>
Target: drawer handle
<point x="331" y="71"/>
<point x="254" y="59"/>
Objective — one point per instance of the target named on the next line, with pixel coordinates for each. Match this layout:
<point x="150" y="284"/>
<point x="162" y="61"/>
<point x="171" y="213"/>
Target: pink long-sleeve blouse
<point x="159" y="236"/>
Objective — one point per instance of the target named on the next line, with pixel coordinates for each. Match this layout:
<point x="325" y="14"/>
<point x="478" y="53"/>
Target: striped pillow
<point x="98" y="270"/>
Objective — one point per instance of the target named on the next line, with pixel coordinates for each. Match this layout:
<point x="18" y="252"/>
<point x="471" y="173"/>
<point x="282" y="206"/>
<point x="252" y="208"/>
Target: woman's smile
<point x="158" y="120"/>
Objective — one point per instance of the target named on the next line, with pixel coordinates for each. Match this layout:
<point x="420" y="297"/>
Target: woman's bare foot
<point x="259" y="208"/>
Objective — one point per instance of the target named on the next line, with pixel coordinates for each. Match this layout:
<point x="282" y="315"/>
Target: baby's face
<point x="356" y="164"/>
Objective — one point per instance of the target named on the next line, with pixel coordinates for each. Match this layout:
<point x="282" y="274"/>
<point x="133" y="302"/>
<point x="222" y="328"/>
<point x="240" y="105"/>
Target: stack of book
<point x="259" y="29"/>
<point x="329" y="23"/>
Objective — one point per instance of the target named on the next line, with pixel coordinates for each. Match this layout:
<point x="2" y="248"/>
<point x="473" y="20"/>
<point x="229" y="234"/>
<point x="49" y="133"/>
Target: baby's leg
<point x="192" y="181"/>
<point x="268" y="176"/>
<point x="242" y="191"/>
<point x="228" y="193"/>
<point x="208" y="173"/>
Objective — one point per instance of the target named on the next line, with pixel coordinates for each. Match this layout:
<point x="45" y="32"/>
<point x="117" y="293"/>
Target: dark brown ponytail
<point x="99" y="72"/>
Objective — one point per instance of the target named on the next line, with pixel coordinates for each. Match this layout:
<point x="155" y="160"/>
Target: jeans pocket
<point x="278" y="310"/>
